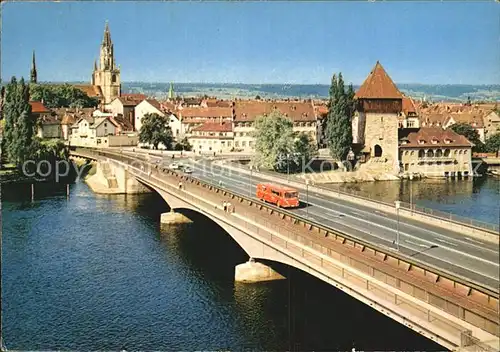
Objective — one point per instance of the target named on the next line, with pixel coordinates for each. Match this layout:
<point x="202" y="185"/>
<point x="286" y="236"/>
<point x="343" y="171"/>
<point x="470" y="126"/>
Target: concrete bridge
<point x="446" y="308"/>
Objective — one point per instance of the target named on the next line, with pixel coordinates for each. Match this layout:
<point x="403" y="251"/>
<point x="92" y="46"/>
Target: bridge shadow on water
<point x="301" y="313"/>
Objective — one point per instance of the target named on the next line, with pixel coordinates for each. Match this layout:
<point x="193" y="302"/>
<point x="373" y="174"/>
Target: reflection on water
<point x="478" y="199"/>
<point x="99" y="273"/>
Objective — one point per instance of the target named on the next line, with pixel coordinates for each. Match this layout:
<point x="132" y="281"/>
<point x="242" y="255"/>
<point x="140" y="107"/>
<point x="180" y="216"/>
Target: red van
<point x="283" y="197"/>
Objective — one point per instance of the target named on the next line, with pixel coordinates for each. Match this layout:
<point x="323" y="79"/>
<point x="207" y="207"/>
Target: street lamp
<point x="251" y="186"/>
<point x="307" y="199"/>
<point x="288" y="168"/>
<point x="397" y="204"/>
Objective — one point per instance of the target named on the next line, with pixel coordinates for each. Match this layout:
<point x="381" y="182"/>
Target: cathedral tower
<point x="33" y="78"/>
<point x="106" y="75"/>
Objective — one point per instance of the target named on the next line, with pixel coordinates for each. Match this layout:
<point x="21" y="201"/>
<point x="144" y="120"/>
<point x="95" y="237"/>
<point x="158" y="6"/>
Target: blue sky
<point x="257" y="42"/>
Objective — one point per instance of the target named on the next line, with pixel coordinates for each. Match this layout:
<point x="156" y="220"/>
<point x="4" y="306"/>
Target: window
<point x="381" y="119"/>
<point x="430" y="153"/>
<point x="275" y="192"/>
<point x="446" y="152"/>
<point x="244" y="144"/>
<point x="236" y="144"/>
<point x="411" y="123"/>
<point x="421" y="153"/>
<point x="105" y="124"/>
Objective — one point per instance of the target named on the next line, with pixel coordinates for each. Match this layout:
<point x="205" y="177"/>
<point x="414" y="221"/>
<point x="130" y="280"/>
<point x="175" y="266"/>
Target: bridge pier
<point x="174" y="218"/>
<point x="252" y="271"/>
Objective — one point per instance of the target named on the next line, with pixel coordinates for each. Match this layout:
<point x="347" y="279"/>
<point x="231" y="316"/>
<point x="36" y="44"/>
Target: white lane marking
<point x="376" y="236"/>
<point x="428" y="254"/>
<point x="470" y="239"/>
<point x="495" y="263"/>
<point x="417" y="244"/>
<point x="387" y="218"/>
<point x="418" y="238"/>
<point x="443" y="241"/>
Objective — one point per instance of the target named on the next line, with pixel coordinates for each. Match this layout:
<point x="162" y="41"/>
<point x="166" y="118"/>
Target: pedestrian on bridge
<point x="224" y="205"/>
<point x="180" y="184"/>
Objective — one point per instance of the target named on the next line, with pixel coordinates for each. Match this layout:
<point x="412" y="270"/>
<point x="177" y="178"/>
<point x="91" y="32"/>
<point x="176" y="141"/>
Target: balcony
<point x="437" y="158"/>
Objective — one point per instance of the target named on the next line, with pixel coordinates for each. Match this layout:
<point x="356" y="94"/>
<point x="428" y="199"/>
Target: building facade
<point x="436" y="152"/>
<point x="245" y="112"/>
<point x="212" y="137"/>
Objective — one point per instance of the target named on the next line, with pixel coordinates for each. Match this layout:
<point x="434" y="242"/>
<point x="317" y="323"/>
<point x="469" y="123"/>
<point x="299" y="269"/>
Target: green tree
<point x="278" y="147"/>
<point x="183" y="144"/>
<point x="62" y="95"/>
<point x="19" y="122"/>
<point x="155" y="130"/>
<point x="338" y="125"/>
<point x="470" y="133"/>
<point x="492" y="144"/>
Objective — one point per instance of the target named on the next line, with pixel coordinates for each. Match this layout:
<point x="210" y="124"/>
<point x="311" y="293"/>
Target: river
<point x="99" y="273"/>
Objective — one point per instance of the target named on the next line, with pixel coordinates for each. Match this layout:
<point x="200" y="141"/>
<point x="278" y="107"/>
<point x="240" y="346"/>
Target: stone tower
<point x="379" y="103"/>
<point x="106" y="75"/>
<point x="33" y="78"/>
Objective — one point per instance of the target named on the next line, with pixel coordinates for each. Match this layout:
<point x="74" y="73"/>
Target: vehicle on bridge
<point x="283" y="197"/>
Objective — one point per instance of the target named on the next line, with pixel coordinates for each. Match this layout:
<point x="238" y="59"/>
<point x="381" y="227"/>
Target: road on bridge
<point x="447" y="250"/>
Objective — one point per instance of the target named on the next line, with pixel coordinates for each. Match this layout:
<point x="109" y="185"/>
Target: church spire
<point x="107" y="36"/>
<point x="171" y="92"/>
<point x="33" y="69"/>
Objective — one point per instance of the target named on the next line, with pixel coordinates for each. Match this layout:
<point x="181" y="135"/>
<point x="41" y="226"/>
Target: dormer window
<point x="447" y="141"/>
<point x="434" y="141"/>
<point x="421" y="141"/>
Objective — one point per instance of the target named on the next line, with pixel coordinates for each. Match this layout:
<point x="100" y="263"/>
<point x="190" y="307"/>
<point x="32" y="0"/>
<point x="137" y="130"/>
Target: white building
<point x="151" y="106"/>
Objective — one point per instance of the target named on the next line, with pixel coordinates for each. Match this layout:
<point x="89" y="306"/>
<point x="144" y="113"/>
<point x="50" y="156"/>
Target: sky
<point x="256" y="42"/>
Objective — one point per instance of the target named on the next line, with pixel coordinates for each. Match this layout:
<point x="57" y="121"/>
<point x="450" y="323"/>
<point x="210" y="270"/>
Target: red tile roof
<point x="249" y="110"/>
<point x="430" y="134"/>
<point x="205" y="112"/>
<point x="475" y="120"/>
<point x="408" y="106"/>
<point x="378" y="85"/>
<point x="89" y="89"/>
<point x="224" y="126"/>
<point x="134" y="96"/>
<point x="37" y="107"/>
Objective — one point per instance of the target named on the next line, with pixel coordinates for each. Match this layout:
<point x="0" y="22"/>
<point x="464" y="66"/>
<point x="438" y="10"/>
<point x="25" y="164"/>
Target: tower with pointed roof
<point x="171" y="95"/>
<point x="33" y="74"/>
<point x="106" y="74"/>
<point x="379" y="104"/>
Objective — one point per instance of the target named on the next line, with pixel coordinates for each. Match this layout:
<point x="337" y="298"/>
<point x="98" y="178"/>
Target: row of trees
<point x="20" y="126"/>
<point x="63" y="95"/>
<point x="338" y="129"/>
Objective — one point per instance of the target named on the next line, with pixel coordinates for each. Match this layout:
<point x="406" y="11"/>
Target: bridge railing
<point x="132" y="159"/>
<point x="438" y="276"/>
<point x="342" y="189"/>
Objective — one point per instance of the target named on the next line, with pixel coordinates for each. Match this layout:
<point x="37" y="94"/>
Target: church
<point x="105" y="83"/>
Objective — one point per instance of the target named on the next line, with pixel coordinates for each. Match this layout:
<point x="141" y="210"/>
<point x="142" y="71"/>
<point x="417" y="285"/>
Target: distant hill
<point x="433" y="92"/>
<point x="452" y="92"/>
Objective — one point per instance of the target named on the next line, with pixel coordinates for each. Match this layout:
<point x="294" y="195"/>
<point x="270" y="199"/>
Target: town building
<point x="100" y="132"/>
<point x="193" y="117"/>
<point x="212" y="137"/>
<point x="245" y="112"/>
<point x="125" y="106"/>
<point x="435" y="152"/>
<point x="379" y="104"/>
<point x="48" y="123"/>
<point x="491" y="122"/>
<point x="152" y="106"/>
